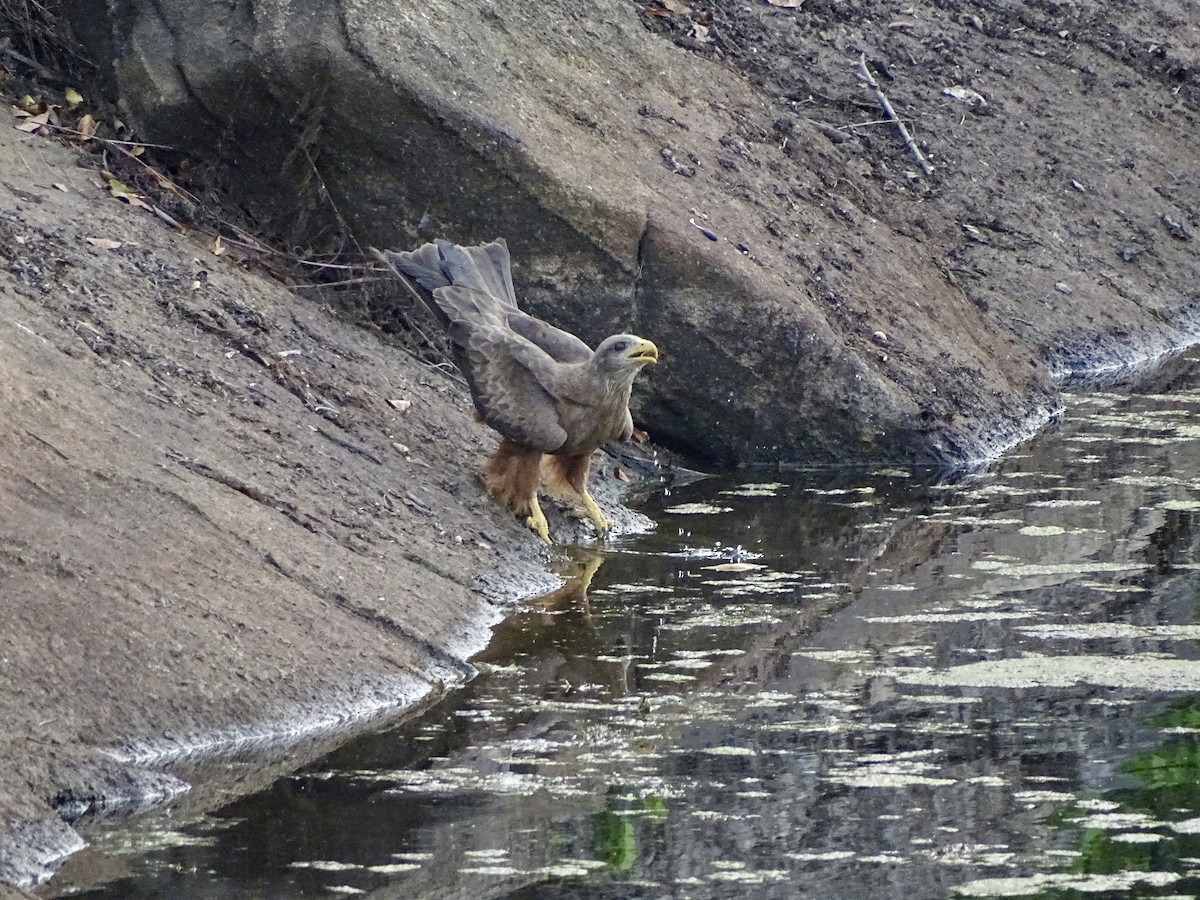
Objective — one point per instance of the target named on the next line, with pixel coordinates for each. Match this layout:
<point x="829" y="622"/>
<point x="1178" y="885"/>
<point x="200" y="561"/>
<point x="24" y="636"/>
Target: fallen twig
<point x="865" y="74"/>
<point x="329" y="284"/>
<point x="42" y="71"/>
<point x="165" y="216"/>
<point x="351" y="446"/>
<point x="249" y="242"/>
<point x="351" y="267"/>
<point x="112" y="142"/>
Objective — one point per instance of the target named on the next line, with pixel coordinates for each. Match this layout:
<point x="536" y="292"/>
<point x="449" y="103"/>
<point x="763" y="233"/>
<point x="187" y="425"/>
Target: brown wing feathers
<point x="486" y="269"/>
<point x="509" y="369"/>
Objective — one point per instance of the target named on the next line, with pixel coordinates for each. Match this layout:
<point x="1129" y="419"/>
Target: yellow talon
<point x="537" y="520"/>
<point x="603" y="523"/>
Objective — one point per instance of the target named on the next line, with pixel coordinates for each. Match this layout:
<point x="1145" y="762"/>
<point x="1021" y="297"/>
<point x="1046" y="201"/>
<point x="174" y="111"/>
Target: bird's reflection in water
<point x="556" y="641"/>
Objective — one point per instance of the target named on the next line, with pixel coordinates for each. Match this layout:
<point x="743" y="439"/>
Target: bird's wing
<point x="512" y="379"/>
<point x="562" y="345"/>
<point x="423" y="265"/>
<point x="627" y="427"/>
<point x="485" y="269"/>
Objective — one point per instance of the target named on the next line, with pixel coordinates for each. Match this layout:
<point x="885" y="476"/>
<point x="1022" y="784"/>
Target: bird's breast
<point x="588" y="427"/>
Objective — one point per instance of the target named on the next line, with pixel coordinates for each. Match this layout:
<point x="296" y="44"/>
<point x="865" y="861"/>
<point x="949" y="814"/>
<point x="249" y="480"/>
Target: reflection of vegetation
<point x="1184" y="714"/>
<point x="656" y="808"/>
<point x="1101" y="855"/>
<point x="616" y="840"/>
<point x="1167" y="791"/>
<point x="615" y="831"/>
<point x="1169" y="775"/>
<point x="1174" y="766"/>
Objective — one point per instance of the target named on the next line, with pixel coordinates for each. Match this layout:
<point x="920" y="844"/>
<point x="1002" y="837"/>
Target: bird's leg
<point x="512" y="475"/>
<point x="602" y="522"/>
<point x="537" y="519"/>
<point x="566" y="475"/>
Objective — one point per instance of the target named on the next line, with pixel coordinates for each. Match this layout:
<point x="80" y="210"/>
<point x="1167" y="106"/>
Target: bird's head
<point x="623" y="352"/>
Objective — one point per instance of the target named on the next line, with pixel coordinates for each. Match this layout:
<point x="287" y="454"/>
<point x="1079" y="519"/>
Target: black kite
<point x="552" y="398"/>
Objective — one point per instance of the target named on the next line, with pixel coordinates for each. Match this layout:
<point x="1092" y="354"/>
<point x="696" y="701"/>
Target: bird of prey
<point x="550" y="396"/>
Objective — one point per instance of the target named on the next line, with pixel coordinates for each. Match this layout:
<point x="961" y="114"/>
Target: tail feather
<point x="485" y="268"/>
<point x="423" y="265"/>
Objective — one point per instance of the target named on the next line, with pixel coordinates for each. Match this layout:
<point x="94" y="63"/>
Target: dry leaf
<point x="164" y="182"/>
<point x="676" y="6"/>
<point x="122" y="191"/>
<point x="787" y="4"/>
<point x="59" y="186"/>
<point x="958" y="92"/>
<point x="399" y="405"/>
<point x="73" y="97"/>
<point x="215" y="247"/>
<point x="640" y="436"/>
<point x="34" y="123"/>
<point x="28" y="104"/>
<point x="622" y="475"/>
<point x="105" y="243"/>
<point x="87" y="127"/>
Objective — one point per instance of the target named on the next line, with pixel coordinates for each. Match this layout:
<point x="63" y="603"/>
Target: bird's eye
<point x="621" y="346"/>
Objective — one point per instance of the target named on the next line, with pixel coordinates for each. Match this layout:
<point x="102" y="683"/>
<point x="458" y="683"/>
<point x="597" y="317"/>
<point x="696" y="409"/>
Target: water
<point x="874" y="683"/>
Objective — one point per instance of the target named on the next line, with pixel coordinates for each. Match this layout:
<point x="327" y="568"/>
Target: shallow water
<point x="877" y="683"/>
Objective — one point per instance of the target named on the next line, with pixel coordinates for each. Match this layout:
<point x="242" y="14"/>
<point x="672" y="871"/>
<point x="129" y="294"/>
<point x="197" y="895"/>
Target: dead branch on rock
<point x="42" y="72"/>
<point x="348" y="281"/>
<point x="108" y="142"/>
<point x="865" y="74"/>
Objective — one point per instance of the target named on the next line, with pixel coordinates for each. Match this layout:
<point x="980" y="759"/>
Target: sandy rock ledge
<point x="220" y="529"/>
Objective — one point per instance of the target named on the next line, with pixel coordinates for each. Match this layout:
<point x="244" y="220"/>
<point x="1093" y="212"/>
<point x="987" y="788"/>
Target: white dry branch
<point x="865" y="74"/>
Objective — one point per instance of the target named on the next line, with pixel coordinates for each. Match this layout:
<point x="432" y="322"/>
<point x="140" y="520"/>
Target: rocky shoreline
<point x="233" y="517"/>
<point x="230" y="519"/>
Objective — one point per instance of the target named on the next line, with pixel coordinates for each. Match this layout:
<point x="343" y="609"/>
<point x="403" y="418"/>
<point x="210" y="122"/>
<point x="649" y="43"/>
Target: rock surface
<point x="228" y="517"/>
<point x="211" y="541"/>
<point x="609" y="155"/>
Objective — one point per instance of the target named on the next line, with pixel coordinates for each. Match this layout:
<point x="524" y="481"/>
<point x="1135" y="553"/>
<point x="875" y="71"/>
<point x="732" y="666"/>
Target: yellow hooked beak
<point x="643" y="353"/>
